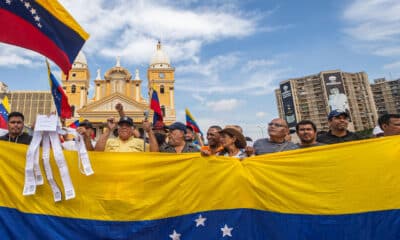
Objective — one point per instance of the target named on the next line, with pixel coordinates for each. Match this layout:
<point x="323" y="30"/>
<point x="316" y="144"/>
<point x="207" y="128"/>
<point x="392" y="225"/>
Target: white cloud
<point x="223" y="105"/>
<point x="13" y="57"/>
<point x="374" y="26"/>
<point x="258" y="63"/>
<point x="212" y="67"/>
<point x="373" y="20"/>
<point x="130" y="28"/>
<point x="388" y="51"/>
<point x="394" y="65"/>
<point x="261" y="114"/>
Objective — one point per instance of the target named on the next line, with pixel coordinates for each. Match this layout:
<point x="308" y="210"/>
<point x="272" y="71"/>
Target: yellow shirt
<point x="131" y="145"/>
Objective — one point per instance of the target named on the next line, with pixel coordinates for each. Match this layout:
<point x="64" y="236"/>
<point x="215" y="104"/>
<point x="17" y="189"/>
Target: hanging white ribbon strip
<point x="46" y="131"/>
<point x="49" y="173"/>
<point x="83" y="156"/>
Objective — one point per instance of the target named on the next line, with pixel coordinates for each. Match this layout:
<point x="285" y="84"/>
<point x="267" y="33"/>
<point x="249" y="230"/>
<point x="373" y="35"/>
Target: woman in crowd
<point x="233" y="142"/>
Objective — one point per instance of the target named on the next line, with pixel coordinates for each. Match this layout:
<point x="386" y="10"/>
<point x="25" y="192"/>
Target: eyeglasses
<point x="275" y="124"/>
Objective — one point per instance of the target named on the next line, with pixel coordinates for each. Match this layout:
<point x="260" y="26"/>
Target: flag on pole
<point x="155" y="106"/>
<point x="6" y="104"/>
<point x="190" y="122"/>
<point x="60" y="99"/>
<point x="43" y="26"/>
<point x="3" y="116"/>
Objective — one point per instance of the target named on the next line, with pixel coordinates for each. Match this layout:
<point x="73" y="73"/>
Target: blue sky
<point x="229" y="55"/>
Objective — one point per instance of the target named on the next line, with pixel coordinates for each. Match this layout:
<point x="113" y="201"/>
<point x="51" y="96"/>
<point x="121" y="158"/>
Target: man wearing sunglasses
<point x="277" y="131"/>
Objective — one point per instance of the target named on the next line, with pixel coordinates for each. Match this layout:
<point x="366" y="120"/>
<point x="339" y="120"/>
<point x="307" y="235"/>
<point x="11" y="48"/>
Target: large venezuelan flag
<point x="342" y="191"/>
<point x="43" y="26"/>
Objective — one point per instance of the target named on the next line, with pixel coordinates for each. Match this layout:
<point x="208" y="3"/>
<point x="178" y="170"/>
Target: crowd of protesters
<point x="123" y="136"/>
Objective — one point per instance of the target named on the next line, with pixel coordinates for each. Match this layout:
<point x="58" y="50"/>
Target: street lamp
<point x="262" y="130"/>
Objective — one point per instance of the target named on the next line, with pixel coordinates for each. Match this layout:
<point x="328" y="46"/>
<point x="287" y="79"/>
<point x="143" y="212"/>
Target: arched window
<point x="163" y="110"/>
<point x="73" y="88"/>
<point x="162" y="89"/>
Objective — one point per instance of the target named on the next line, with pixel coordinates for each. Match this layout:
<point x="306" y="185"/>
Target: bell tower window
<point x="73" y="88"/>
<point x="163" y="110"/>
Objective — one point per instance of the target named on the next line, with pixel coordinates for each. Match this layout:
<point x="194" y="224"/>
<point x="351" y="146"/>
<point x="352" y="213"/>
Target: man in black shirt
<point x="15" y="129"/>
<point x="338" y="122"/>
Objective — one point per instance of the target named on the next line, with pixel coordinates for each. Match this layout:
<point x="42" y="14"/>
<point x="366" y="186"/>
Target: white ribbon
<point x="33" y="175"/>
<point x="62" y="165"/>
<point x="49" y="173"/>
<point x="83" y="156"/>
<point x="30" y="180"/>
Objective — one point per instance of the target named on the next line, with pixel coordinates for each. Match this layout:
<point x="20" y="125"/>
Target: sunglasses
<point x="275" y="124"/>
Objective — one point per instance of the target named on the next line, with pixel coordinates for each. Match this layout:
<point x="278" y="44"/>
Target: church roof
<point x="160" y="59"/>
<point x="80" y="61"/>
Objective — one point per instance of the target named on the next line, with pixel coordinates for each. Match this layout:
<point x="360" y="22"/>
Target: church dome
<point x="160" y="59"/>
<point x="80" y="61"/>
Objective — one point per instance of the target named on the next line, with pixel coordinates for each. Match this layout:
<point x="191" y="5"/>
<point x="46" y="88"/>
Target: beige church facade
<point x="118" y="86"/>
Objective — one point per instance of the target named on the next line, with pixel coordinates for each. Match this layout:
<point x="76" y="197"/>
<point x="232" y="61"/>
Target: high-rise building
<point x="313" y="97"/>
<point x="386" y="95"/>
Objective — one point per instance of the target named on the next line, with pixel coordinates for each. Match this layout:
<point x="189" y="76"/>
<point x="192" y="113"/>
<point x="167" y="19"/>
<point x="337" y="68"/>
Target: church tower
<point x="77" y="86"/>
<point x="161" y="77"/>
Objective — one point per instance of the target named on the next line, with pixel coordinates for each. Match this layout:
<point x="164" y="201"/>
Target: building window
<point x="74" y="75"/>
<point x="73" y="88"/>
<point x="162" y="89"/>
<point x="73" y="110"/>
<point x="163" y="110"/>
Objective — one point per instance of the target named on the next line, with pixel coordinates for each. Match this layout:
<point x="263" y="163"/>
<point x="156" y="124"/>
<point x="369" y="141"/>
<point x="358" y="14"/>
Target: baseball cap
<point x="177" y="125"/>
<point x="126" y="119"/>
<point x="337" y="113"/>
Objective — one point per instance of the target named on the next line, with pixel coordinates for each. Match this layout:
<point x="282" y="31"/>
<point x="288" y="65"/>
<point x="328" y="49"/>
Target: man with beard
<point x="338" y="133"/>
<point x="16" y="129"/>
<point x="277" y="131"/>
<point x="307" y="133"/>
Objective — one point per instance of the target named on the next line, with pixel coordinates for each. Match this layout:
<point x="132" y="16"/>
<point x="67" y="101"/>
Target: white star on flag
<point x="33" y="11"/>
<point x="226" y="231"/>
<point x="27" y="5"/>
<point x="175" y="236"/>
<point x="8" y="2"/>
<point x="200" y="221"/>
<point x="37" y="18"/>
